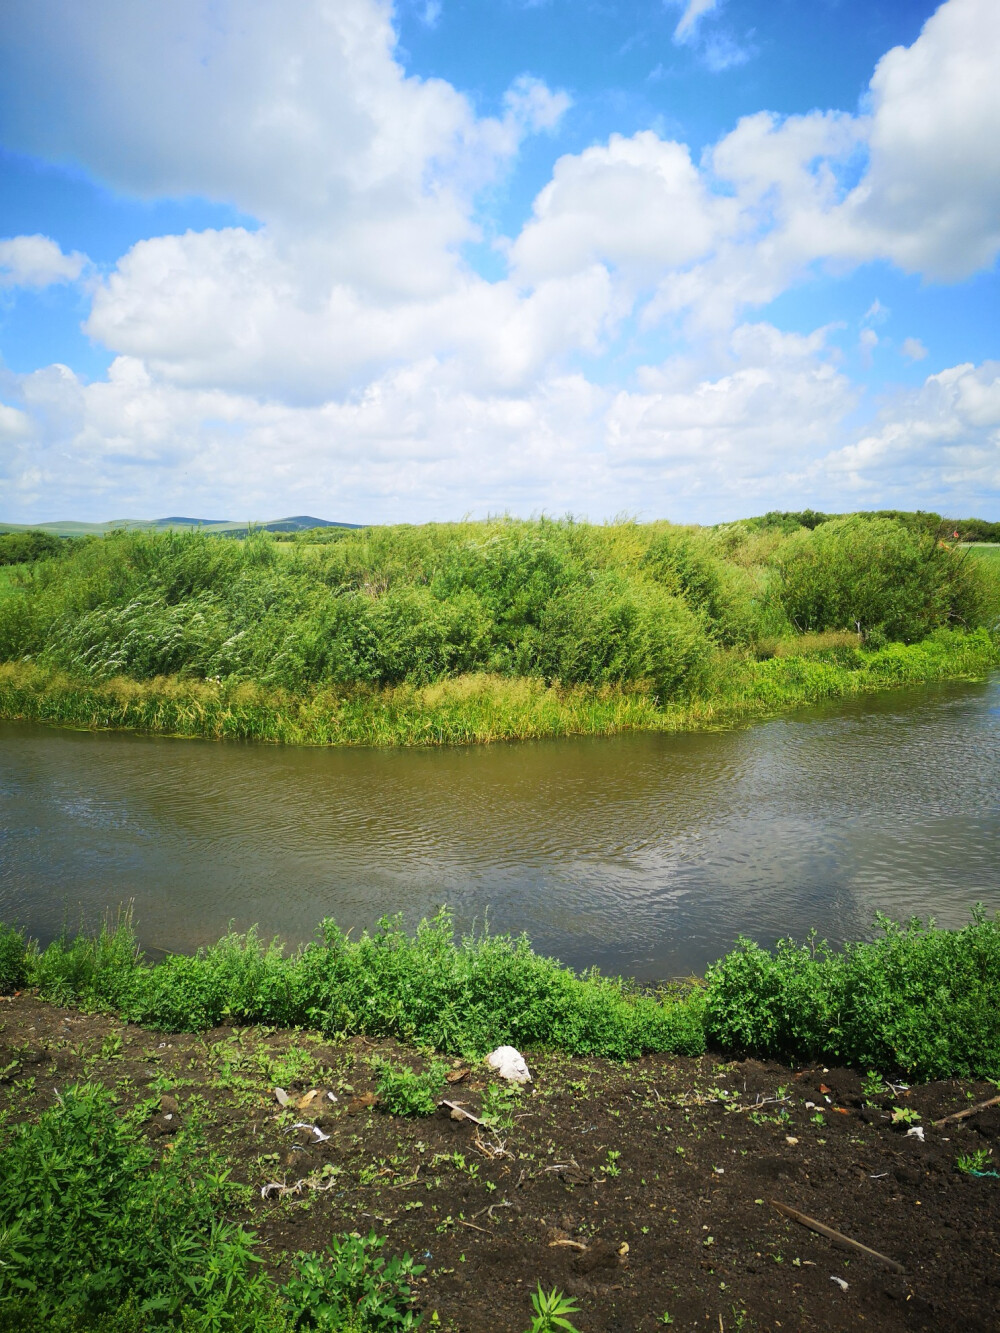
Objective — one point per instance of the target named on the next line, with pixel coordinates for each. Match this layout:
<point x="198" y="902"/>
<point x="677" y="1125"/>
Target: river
<point x="644" y="854"/>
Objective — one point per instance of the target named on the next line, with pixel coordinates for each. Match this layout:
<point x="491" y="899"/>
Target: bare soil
<point x="645" y="1190"/>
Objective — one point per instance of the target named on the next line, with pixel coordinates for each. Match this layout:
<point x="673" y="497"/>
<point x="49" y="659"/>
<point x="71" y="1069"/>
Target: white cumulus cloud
<point x="37" y="261"/>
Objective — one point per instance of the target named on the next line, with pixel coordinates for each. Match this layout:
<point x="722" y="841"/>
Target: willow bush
<point x="564" y="603"/>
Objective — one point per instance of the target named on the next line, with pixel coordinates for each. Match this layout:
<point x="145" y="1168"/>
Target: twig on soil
<point x="823" y="1230"/>
<point x="573" y="1244"/>
<point x="465" y="1115"/>
<point x="462" y="1223"/>
<point x="488" y="1210"/>
<point x="962" y="1115"/>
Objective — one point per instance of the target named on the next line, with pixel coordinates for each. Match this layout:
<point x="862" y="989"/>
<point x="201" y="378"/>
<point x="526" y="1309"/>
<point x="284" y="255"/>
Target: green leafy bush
<point x="20" y="548"/>
<point x="13" y="959"/>
<point x="404" y="1091"/>
<point x="918" y="999"/>
<point x="89" y="1220"/>
<point x="351" y="1286"/>
<point x="97" y="1236"/>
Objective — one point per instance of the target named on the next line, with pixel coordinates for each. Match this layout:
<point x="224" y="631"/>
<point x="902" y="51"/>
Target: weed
<point x="551" y="1311"/>
<point x="499" y="1103"/>
<point x="974" y="1162"/>
<point x="905" y="1115"/>
<point x="402" y="1091"/>
<point x="352" y="1287"/>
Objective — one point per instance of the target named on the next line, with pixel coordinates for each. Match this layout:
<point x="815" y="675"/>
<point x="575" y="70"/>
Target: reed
<point x="480" y="708"/>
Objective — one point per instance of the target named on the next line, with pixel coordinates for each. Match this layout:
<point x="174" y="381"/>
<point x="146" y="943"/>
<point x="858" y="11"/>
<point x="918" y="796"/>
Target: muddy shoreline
<point x="642" y="1189"/>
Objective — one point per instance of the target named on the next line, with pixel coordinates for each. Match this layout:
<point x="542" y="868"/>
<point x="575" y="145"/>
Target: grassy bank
<point x="918" y="1000"/>
<point x="148" y="1181"/>
<point x="482" y="708"/>
<point x="484" y="631"/>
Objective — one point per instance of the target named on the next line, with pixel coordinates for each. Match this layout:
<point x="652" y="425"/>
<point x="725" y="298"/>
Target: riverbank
<point x="479" y="708"/>
<point x="644" y="1191"/>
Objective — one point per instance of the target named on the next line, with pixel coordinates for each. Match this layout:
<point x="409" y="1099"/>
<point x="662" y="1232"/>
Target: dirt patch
<point x="643" y="1190"/>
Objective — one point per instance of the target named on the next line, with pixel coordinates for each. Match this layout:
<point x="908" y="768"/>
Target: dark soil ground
<point x="643" y="1190"/>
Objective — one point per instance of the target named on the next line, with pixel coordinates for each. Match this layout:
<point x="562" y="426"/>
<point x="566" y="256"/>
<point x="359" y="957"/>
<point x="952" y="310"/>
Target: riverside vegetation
<point x="104" y="1228"/>
<point x="449" y="633"/>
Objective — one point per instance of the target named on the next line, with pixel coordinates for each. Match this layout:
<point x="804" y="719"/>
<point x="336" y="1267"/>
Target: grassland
<point x="475" y="632"/>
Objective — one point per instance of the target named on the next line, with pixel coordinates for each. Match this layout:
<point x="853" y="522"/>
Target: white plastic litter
<point x="314" y="1129"/>
<point x="916" y="1132"/>
<point x="840" y="1282"/>
<point x="509" y="1064"/>
<point x="331" y="1096"/>
<point x="281" y="1097"/>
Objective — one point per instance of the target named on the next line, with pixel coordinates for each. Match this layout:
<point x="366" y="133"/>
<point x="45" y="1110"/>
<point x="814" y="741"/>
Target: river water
<point x="644" y="854"/>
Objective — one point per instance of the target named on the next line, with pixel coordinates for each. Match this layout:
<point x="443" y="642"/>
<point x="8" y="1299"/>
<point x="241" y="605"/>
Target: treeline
<point x="565" y="602"/>
<point x="21" y="548"/>
<point x="921" y="520"/>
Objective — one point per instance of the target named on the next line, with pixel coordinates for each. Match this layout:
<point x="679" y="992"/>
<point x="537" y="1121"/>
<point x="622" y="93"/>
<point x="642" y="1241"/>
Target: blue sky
<point x="688" y="259"/>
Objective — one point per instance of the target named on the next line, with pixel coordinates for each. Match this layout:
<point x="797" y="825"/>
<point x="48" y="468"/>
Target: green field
<point x="985" y="550"/>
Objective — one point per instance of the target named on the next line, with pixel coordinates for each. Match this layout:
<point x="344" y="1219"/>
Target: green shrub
<point x="20" y="548"/>
<point x="873" y="574"/>
<point x="404" y="1091"/>
<point x="97" y="1236"/>
<point x="89" y="1220"/>
<point x="13" y="959"/>
<point x="919" y="1000"/>
<point x="352" y="1287"/>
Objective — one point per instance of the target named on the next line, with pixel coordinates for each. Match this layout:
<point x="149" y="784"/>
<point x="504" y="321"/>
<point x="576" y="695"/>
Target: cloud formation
<point x="37" y="261"/>
<point x="345" y="355"/>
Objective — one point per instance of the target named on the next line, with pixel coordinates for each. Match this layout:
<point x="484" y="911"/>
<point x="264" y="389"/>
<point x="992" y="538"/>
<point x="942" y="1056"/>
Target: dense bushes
<point x="878" y="576"/>
<point x="566" y="602"/>
<point x="20" y="548"/>
<point x="97" y="1233"/>
<point x="917" y="1000"/>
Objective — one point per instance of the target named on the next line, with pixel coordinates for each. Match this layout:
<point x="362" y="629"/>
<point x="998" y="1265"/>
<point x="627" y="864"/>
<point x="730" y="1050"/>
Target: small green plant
<point x="872" y="1086"/>
<point x="974" y="1162"/>
<point x="403" y="1091"/>
<point x="905" y="1115"/>
<point x="499" y="1102"/>
<point x="551" y="1309"/>
<point x="351" y="1286"/>
<point x="611" y="1167"/>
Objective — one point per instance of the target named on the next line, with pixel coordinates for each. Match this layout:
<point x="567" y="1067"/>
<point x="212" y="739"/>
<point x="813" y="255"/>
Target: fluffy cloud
<point x="339" y="352"/>
<point x="939" y="441"/>
<point x="37" y="261"/>
<point x="930" y="199"/>
<point x="638" y="205"/>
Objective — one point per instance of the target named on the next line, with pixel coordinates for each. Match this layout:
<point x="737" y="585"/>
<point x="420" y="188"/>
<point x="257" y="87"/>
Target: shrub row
<point x="918" y="1000"/>
<point x="560" y="601"/>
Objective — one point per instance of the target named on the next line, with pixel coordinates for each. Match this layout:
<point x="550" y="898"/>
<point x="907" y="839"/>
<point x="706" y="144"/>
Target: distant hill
<point x="222" y="526"/>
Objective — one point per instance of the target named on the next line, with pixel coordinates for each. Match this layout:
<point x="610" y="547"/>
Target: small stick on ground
<point x="467" y="1115"/>
<point x="462" y="1223"/>
<point x="823" y="1230"/>
<point x="962" y="1115"/>
<point x="573" y="1244"/>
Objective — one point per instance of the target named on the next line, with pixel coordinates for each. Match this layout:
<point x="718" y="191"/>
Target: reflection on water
<point x="645" y="854"/>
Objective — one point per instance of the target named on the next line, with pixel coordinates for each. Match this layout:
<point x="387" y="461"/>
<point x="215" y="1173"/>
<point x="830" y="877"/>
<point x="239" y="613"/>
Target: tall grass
<point x="917" y="1000"/>
<point x="481" y="708"/>
<point x="470" y="632"/>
